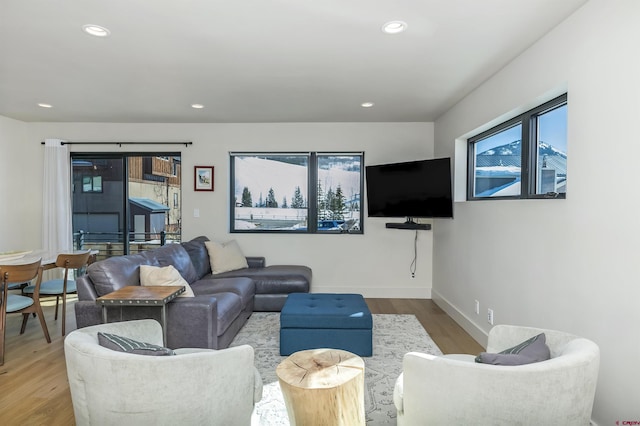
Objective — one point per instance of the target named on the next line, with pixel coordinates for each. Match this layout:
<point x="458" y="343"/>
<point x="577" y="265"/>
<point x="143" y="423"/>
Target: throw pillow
<point x="531" y="350"/>
<point x="225" y="257"/>
<point x="124" y="344"/>
<point x="164" y="275"/>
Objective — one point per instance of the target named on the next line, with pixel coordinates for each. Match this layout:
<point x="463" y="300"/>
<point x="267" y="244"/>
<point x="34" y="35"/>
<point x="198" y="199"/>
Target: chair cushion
<point x="124" y="344"/>
<point x="13" y="286"/>
<point x="15" y="302"/>
<point x="532" y="350"/>
<point x="164" y="276"/>
<point x="274" y="279"/>
<point x="52" y="287"/>
<point x="242" y="286"/>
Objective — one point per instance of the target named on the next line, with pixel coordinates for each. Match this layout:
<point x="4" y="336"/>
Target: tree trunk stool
<point x="323" y="387"/>
<point x="326" y="320"/>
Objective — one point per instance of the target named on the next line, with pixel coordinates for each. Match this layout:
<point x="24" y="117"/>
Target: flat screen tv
<point x="414" y="189"/>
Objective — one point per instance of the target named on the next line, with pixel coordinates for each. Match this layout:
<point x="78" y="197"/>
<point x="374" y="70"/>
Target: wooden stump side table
<point x="323" y="387"/>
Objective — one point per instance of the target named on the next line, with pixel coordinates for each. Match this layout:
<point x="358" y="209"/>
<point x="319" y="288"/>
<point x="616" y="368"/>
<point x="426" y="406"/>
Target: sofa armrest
<point x="256" y="261"/>
<point x="88" y="313"/>
<point x="192" y="322"/>
<point x="86" y="290"/>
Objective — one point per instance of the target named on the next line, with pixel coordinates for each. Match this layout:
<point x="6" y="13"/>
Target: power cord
<point x="414" y="263"/>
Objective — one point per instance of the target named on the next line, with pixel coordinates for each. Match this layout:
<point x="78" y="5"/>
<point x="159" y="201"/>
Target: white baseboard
<point x="378" y="293"/>
<point x="464" y="321"/>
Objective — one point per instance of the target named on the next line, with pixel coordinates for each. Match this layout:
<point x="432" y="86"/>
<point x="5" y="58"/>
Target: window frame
<point x="529" y="148"/>
<point x="125" y="217"/>
<point x="312" y="192"/>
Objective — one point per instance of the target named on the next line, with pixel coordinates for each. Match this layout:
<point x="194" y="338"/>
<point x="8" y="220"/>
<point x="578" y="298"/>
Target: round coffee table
<point x="323" y="387"/>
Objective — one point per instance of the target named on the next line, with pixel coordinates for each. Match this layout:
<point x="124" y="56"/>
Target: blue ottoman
<point x="325" y="320"/>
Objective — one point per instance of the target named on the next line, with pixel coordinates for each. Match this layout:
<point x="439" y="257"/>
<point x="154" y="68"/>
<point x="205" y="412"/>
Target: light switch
<point x="196" y="212"/>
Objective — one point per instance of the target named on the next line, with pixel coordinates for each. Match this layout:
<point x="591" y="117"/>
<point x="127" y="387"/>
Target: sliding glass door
<point x="126" y="203"/>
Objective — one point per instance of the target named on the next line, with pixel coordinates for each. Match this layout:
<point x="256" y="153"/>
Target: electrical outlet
<point x="477" y="308"/>
<point x="490" y="316"/>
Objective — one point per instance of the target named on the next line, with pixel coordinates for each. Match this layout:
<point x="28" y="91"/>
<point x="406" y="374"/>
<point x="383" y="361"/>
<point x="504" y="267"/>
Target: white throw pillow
<point x="164" y="275"/>
<point x="225" y="257"/>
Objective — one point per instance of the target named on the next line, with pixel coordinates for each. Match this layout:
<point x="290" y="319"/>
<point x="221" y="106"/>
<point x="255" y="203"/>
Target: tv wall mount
<point x="409" y="224"/>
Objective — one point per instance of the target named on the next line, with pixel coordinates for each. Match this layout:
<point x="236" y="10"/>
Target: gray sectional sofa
<point x="222" y="303"/>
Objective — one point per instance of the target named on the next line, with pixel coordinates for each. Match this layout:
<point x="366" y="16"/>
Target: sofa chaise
<point x="222" y="303"/>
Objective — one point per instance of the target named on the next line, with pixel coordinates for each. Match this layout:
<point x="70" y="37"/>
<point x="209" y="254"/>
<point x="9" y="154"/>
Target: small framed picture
<point x="203" y="178"/>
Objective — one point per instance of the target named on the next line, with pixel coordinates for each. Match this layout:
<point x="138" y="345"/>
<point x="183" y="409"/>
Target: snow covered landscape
<point x="282" y="178"/>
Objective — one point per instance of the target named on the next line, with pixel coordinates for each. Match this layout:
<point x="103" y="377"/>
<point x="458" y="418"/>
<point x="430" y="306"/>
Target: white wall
<point x="375" y="264"/>
<point x="564" y="264"/>
<point x="20" y="188"/>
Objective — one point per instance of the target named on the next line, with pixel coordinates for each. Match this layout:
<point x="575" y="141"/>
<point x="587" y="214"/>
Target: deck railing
<point x="111" y="244"/>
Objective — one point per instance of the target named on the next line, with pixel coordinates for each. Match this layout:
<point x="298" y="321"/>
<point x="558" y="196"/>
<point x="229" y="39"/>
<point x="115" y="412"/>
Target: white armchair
<point x="197" y="386"/>
<point x="453" y="389"/>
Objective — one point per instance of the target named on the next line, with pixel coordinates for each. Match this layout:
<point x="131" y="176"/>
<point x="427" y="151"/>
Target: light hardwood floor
<point x="33" y="381"/>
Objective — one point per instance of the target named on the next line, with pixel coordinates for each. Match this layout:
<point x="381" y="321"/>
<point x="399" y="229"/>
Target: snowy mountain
<point x="514" y="149"/>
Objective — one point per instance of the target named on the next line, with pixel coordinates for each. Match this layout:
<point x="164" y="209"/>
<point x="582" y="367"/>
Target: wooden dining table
<point x="48" y="259"/>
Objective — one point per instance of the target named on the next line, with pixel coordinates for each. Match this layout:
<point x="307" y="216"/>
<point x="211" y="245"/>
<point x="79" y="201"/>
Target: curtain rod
<point x="125" y="143"/>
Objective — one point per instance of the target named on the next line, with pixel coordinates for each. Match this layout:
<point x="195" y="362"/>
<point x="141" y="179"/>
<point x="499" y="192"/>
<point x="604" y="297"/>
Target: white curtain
<point x="57" y="232"/>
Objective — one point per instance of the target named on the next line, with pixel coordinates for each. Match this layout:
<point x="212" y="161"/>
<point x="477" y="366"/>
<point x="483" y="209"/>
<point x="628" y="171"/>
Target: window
<point x="296" y="192"/>
<point x="524" y="157"/>
<point x="130" y="213"/>
<point x="92" y="184"/>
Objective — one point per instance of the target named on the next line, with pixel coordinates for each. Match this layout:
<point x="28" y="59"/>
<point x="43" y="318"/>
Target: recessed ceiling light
<point x="197" y="106"/>
<point x="394" y="27"/>
<point x="45" y="105"/>
<point x="96" y="30"/>
<point x="367" y="104"/>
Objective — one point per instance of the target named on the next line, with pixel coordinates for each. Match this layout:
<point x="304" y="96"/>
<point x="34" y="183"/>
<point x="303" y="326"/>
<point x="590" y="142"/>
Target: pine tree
<point x="322" y="202"/>
<point x="260" y="203"/>
<point x="271" y="199"/>
<point x="339" y="204"/>
<point x="297" y="202"/>
<point x="284" y="203"/>
<point x="330" y="201"/>
<point x="246" y="197"/>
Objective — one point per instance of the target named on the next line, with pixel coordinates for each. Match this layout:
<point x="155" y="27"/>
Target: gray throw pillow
<point x="532" y="350"/>
<point x="124" y="344"/>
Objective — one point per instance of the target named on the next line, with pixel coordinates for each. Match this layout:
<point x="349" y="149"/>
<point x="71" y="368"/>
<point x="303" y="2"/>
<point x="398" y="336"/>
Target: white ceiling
<point x="257" y="60"/>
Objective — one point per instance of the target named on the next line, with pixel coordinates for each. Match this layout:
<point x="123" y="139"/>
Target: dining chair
<point x="13" y="303"/>
<point x="62" y="286"/>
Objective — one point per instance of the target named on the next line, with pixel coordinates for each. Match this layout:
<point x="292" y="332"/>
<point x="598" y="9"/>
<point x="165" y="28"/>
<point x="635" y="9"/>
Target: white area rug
<point x="393" y="336"/>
